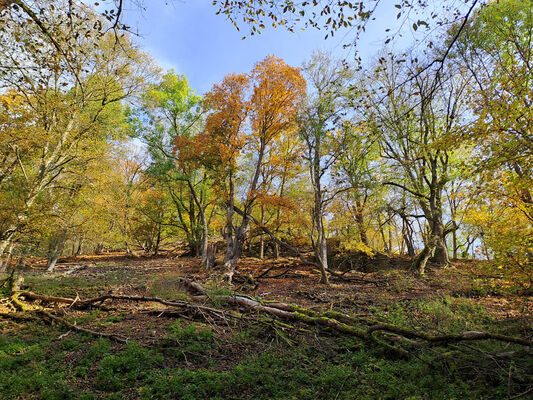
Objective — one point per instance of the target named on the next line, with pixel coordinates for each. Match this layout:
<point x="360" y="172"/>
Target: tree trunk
<point x="261" y="238"/>
<point x="55" y="251"/>
<point x="420" y="262"/>
<point x="4" y="264"/>
<point x="157" y="240"/>
<point x="99" y="248"/>
<point x="229" y="229"/>
<point x="440" y="255"/>
<point x="5" y="243"/>
<point x="238" y="243"/>
<point x="323" y="259"/>
<point x="52" y="262"/>
<point x="321" y="249"/>
<point x="240" y="232"/>
<point x="211" y="255"/>
<point x="454" y="242"/>
<point x="261" y="247"/>
<point x="384" y="239"/>
<point x="203" y="221"/>
<point x="390" y="237"/>
<point x="407" y="232"/>
<point x="360" y="220"/>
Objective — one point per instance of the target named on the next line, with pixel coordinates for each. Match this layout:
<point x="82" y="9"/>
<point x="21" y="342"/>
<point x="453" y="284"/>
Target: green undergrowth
<point x="259" y="360"/>
<point x="167" y="286"/>
<point x="253" y="362"/>
<point x="84" y="285"/>
<point x="440" y="313"/>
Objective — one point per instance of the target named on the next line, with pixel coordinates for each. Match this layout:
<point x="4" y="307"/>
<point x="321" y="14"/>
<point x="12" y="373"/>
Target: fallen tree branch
<point x="262" y="274"/>
<point x="78" y="268"/>
<point x="116" y="338"/>
<point x="365" y="329"/>
<point x="352" y="278"/>
<point x="344" y="323"/>
<point x="81" y="304"/>
<point x="278" y="275"/>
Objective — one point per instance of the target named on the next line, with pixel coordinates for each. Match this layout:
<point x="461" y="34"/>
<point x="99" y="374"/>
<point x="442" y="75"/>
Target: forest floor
<point x="242" y="354"/>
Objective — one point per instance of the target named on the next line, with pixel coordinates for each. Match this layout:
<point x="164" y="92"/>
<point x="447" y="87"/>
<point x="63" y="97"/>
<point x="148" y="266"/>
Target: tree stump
<point x="211" y="254"/>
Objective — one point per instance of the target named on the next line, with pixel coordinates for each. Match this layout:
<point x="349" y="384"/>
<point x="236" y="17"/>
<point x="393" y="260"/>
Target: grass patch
<point x="35" y="365"/>
<point x="167" y="286"/>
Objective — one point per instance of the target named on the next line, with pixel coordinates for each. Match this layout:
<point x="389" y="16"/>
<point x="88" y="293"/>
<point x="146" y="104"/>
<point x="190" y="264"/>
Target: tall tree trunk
<point x="321" y="249"/>
<point x="8" y="238"/>
<point x="157" y="240"/>
<point x="390" y="237"/>
<point x="408" y="238"/>
<point x="454" y="243"/>
<point x="323" y="259"/>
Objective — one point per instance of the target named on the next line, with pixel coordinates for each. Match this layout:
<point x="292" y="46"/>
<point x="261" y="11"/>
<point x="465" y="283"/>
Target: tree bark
<point x="55" y="250"/>
<point x="360" y="220"/>
<point x="203" y="220"/>
<point x="211" y="255"/>
<point x="407" y="233"/>
<point x="421" y="260"/>
<point x="4" y="264"/>
<point x="261" y="238"/>
<point x="440" y="255"/>
<point x="229" y="228"/>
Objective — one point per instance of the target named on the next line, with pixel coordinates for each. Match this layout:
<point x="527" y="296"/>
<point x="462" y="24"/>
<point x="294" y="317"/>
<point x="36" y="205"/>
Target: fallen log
<point x="81" y="304"/>
<point x="332" y="319"/>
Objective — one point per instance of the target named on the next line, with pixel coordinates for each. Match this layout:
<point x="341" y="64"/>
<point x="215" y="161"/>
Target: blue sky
<point x="188" y="37"/>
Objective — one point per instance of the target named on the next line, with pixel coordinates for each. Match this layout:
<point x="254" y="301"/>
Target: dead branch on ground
<point x="395" y="339"/>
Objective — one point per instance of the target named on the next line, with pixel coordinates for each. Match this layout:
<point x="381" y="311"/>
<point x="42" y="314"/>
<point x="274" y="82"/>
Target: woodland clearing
<point x="203" y="345"/>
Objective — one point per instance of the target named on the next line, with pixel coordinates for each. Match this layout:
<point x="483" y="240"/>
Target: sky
<point x="187" y="36"/>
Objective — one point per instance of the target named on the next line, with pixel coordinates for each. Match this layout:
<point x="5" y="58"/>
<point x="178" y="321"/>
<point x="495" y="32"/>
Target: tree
<point x="357" y="174"/>
<point x="322" y="131"/>
<point x="151" y="225"/>
<point x="250" y="112"/>
<point x="277" y="202"/>
<point x="59" y="112"/>
<point x="495" y="50"/>
<point x="414" y="124"/>
<point x="169" y="122"/>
